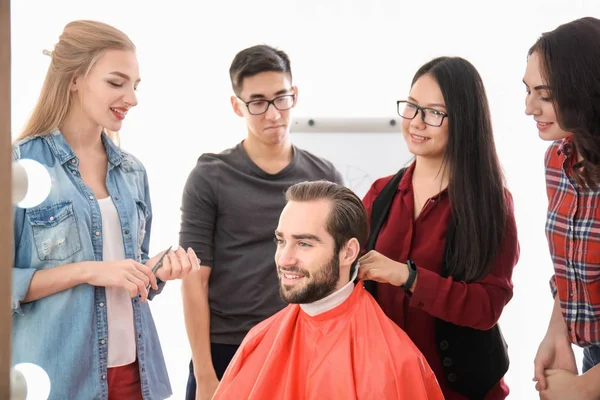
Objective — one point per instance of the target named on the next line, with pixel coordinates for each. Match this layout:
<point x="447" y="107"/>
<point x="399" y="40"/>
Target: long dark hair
<point x="570" y="64"/>
<point x="476" y="182"/>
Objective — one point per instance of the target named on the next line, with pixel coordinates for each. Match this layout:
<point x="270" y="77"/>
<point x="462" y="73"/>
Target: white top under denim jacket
<point x="66" y="333"/>
<point x="119" y="310"/>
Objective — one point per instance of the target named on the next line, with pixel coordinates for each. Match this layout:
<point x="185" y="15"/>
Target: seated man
<point x="332" y="341"/>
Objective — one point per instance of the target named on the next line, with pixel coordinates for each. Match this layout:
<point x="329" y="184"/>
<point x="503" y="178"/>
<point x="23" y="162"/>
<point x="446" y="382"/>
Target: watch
<point x="412" y="275"/>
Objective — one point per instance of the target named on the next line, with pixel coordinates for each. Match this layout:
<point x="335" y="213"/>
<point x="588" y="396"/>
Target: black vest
<point x="474" y="361"/>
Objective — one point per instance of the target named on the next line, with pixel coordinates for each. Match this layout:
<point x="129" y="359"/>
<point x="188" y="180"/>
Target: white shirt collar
<point x="333" y="300"/>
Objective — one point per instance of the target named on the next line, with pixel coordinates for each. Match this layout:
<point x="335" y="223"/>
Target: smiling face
<point x="307" y="265"/>
<point x="538" y="102"/>
<point x="273" y="126"/>
<point x="107" y="92"/>
<point x="425" y="140"/>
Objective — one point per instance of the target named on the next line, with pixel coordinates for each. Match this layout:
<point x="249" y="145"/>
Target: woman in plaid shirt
<point x="563" y="96"/>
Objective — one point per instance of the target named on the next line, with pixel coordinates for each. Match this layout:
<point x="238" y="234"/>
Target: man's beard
<point x="322" y="284"/>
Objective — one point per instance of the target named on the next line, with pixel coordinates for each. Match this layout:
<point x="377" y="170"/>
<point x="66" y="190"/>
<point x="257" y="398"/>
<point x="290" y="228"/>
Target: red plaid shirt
<point x="573" y="232"/>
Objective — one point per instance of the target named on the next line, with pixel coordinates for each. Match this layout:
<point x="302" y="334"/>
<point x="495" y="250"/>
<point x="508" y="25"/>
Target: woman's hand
<point x="127" y="274"/>
<point x="176" y="264"/>
<point x="554" y="353"/>
<point x="376" y="267"/>
<point x="566" y="385"/>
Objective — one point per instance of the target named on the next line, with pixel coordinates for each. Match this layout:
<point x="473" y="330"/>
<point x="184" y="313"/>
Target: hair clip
<point x="47" y="53"/>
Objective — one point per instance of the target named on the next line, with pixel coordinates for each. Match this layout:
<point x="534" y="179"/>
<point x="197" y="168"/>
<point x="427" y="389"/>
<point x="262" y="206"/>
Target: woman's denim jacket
<point x="66" y="333"/>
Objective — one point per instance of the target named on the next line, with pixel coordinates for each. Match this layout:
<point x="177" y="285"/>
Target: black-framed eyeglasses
<point x="282" y="103"/>
<point x="431" y="116"/>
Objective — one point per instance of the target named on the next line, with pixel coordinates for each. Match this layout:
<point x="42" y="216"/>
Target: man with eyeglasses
<point x="230" y="208"/>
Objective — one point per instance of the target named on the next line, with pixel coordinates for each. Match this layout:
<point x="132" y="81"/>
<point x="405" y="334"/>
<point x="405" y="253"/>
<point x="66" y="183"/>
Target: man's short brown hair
<point x="348" y="217"/>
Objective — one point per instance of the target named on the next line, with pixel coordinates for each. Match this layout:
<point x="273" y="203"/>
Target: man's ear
<point x="235" y="104"/>
<point x="349" y="252"/>
<point x="295" y="89"/>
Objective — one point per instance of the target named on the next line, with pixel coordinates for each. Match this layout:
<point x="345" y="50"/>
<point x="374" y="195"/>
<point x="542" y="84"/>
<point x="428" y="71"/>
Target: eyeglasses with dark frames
<point x="281" y="103"/>
<point x="430" y="116"/>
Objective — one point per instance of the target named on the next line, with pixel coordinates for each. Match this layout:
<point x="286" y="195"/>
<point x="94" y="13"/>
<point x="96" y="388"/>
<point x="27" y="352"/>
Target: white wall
<point x="349" y="58"/>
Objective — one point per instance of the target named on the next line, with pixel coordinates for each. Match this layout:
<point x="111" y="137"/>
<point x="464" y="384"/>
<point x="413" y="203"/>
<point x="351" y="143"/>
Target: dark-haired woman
<point x="563" y="96"/>
<point x="444" y="255"/>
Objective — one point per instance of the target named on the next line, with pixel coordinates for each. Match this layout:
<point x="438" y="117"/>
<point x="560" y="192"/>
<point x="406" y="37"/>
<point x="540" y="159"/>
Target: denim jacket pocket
<point x="142" y="214"/>
<point x="55" y="231"/>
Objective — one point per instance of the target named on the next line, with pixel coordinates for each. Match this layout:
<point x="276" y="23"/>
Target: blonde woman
<point x="81" y="274"/>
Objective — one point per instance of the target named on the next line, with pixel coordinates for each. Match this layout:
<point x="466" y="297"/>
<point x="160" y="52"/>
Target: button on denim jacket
<point x="66" y="333"/>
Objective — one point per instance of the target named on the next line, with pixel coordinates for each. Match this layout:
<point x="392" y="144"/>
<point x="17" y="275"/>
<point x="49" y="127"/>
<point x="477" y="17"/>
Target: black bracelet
<point x="412" y="275"/>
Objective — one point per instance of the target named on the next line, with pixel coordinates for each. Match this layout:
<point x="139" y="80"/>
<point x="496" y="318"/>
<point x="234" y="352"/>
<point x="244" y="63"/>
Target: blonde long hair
<point x="80" y="46"/>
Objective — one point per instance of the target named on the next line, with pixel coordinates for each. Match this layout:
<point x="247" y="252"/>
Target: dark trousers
<point x="221" y="355"/>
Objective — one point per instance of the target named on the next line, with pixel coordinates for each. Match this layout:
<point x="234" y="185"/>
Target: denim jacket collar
<point x="64" y="153"/>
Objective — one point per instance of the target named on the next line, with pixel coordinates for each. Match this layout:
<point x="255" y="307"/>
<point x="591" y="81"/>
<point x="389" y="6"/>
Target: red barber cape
<point x="350" y="352"/>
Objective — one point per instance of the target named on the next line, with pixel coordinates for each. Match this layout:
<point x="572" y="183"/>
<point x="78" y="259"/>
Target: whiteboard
<point x="362" y="149"/>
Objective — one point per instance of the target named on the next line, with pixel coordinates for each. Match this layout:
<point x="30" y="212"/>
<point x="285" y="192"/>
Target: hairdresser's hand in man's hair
<point x="376" y="267"/>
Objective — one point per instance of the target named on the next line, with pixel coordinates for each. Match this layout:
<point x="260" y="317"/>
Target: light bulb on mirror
<point x="37" y="382"/>
<point x="31" y="183"/>
<point x="18" y="385"/>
